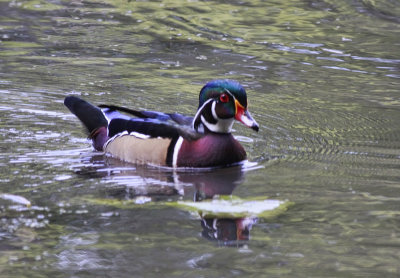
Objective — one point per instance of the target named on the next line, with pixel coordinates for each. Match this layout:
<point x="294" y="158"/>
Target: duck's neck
<point x="220" y="126"/>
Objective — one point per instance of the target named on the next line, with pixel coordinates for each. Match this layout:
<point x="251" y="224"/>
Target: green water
<point x="323" y="82"/>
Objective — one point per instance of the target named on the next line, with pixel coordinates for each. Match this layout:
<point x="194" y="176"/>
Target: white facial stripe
<point x="214" y="113"/>
<point x="199" y="111"/>
<point x="226" y="90"/>
<point x="222" y="125"/>
<point x="177" y="147"/>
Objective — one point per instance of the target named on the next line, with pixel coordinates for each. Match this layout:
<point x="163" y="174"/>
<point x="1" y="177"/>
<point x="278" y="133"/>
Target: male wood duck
<point x="171" y="139"/>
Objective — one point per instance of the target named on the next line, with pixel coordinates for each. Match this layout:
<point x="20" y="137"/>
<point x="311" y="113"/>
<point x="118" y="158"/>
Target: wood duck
<point x="171" y="139"/>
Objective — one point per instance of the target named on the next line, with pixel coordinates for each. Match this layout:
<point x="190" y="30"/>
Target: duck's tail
<point x="92" y="118"/>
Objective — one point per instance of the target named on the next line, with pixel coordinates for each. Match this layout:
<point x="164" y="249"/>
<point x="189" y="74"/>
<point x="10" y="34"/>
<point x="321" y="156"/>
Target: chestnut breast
<point x="211" y="150"/>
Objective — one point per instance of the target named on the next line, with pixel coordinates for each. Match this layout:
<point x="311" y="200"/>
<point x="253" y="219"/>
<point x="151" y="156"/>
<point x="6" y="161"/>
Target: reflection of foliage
<point x="234" y="207"/>
<point x="219" y="207"/>
<point x="225" y="26"/>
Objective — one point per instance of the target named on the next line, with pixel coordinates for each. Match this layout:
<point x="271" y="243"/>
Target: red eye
<point x="224" y="98"/>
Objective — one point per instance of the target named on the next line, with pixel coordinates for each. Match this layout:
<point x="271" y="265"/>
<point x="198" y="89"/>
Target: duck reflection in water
<point x="130" y="181"/>
<point x="226" y="231"/>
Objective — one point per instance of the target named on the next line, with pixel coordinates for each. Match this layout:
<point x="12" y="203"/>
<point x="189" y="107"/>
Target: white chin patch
<point x="222" y="125"/>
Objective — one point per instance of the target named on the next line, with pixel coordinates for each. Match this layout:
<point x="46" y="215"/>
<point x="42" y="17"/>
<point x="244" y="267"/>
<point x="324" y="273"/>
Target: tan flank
<point x="133" y="149"/>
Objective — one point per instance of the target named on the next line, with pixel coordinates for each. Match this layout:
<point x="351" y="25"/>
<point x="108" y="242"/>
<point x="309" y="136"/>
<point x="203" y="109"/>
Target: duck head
<point x="221" y="102"/>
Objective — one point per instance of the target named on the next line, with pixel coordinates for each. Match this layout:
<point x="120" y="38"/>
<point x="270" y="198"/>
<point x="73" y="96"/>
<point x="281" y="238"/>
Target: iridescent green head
<point x="214" y="88"/>
<point x="220" y="103"/>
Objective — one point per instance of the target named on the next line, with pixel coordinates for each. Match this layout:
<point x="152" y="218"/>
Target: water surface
<point x="323" y="81"/>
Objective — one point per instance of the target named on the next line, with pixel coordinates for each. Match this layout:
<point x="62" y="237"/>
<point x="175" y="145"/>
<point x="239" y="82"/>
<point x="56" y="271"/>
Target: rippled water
<point x="323" y="79"/>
